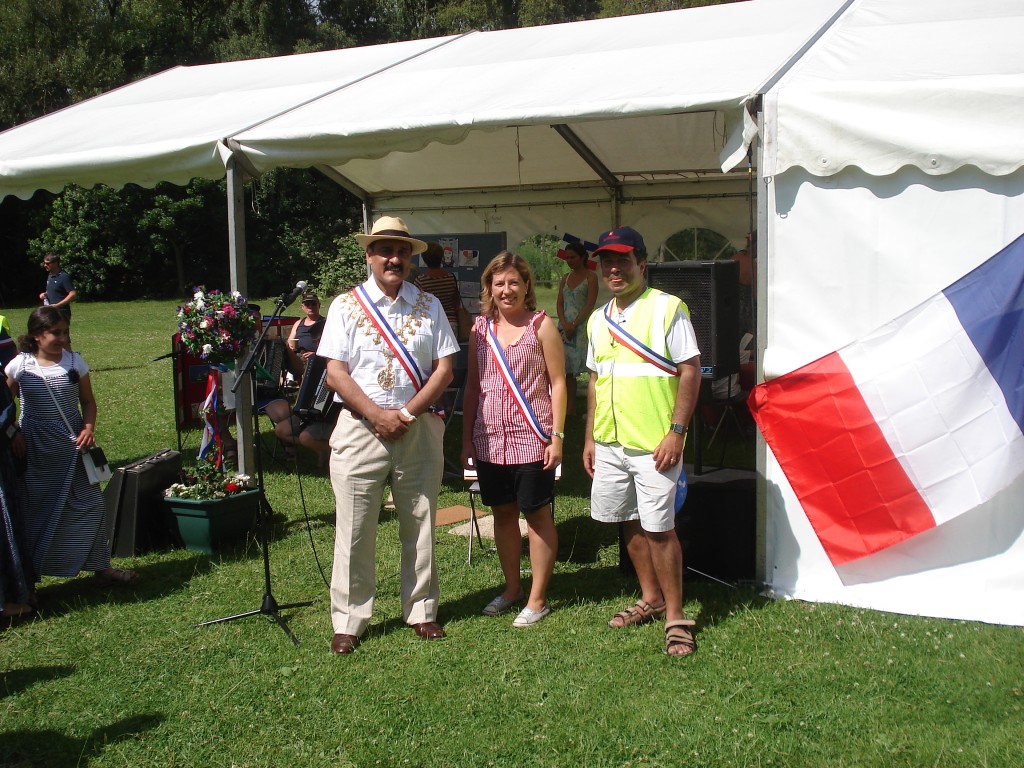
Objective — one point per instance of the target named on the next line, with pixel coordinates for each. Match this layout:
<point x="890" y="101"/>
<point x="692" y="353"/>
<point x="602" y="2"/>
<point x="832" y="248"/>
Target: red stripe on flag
<point x="857" y="496"/>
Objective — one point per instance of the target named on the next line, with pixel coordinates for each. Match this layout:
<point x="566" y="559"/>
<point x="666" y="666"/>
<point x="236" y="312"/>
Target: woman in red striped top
<point x="513" y="426"/>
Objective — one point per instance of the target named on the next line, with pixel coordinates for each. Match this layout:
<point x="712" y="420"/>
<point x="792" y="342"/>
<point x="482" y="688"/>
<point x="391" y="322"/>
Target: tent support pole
<point x="764" y="198"/>
<point x="239" y="282"/>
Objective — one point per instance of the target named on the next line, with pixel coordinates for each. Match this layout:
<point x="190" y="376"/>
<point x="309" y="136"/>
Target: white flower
<point x="236" y="295"/>
<point x="204" y="324"/>
<point x="207" y="349"/>
<point x="200" y="305"/>
<point x="198" y="296"/>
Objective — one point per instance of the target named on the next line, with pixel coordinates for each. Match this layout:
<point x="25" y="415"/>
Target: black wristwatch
<point x="679" y="429"/>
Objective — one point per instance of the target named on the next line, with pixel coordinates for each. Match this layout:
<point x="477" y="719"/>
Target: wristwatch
<point x="679" y="429"/>
<point x="558" y="434"/>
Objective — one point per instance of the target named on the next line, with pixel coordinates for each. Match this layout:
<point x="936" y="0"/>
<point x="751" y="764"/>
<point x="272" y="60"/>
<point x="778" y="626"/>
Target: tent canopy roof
<point x="933" y="84"/>
<point x="678" y="79"/>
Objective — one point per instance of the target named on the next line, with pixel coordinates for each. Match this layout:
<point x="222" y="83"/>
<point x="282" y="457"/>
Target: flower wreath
<point x="216" y="326"/>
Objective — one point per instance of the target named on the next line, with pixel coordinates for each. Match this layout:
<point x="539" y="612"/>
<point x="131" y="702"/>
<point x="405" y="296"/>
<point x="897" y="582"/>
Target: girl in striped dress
<point x="64" y="515"/>
<point x="512" y="427"/>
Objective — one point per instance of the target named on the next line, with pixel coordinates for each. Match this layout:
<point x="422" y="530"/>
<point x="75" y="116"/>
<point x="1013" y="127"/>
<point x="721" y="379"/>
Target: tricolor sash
<point x="629" y="341"/>
<point x="211" y="424"/>
<point x="387" y="333"/>
<point x="513" y="386"/>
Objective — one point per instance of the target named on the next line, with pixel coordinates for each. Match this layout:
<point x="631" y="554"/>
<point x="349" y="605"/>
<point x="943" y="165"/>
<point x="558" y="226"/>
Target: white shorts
<point x="628" y="487"/>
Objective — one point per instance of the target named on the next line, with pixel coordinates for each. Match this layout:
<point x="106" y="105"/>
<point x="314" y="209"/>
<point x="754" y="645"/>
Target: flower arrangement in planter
<point x="215" y="326"/>
<point x="211" y="508"/>
<point x="206" y="481"/>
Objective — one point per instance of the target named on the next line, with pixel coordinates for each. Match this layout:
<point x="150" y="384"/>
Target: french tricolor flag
<point x="915" y="424"/>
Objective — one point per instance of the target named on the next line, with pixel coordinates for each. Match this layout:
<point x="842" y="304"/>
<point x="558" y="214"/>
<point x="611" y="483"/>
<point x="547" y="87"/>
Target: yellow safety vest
<point x="635" y="398"/>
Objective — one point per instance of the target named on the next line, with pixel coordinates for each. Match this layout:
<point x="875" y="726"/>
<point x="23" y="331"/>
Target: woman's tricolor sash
<point x="402" y="354"/>
<point x="513" y="386"/>
<point x="629" y="341"/>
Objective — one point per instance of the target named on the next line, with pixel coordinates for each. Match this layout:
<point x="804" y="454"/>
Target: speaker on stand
<point x="710" y="290"/>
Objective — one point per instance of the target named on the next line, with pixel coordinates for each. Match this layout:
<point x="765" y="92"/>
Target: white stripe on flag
<point x="938" y="407"/>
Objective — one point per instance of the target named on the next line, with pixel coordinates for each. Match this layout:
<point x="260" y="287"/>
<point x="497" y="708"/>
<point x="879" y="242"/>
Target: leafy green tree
<point x="342" y="270"/>
<point x="610" y="8"/>
<point x="541" y="251"/>
<point x="184" y="221"/>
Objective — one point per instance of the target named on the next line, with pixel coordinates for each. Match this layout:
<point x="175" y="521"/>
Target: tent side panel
<point x="844" y="255"/>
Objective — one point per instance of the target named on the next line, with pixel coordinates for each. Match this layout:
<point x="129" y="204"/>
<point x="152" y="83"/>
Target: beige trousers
<point x="360" y="466"/>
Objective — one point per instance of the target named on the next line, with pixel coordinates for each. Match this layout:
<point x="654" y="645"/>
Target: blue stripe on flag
<point x="989" y="301"/>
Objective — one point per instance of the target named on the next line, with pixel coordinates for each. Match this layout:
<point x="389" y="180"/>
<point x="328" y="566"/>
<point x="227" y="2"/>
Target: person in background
<point x="437" y="280"/>
<point x="17" y="598"/>
<point x="389" y="349"/>
<point x="577" y="295"/>
<point x="64" y="514"/>
<point x="304" y="337"/>
<point x="8" y="349"/>
<point x="302" y="343"/>
<point x="60" y="291"/>
<point x="644" y="378"/>
<point x="513" y="422"/>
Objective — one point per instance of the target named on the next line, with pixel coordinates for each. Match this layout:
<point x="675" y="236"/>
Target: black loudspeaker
<point x="717" y="527"/>
<point x="135" y="507"/>
<point x="711" y="292"/>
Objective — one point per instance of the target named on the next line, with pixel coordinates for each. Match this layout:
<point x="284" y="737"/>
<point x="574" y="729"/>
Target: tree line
<point x="157" y="243"/>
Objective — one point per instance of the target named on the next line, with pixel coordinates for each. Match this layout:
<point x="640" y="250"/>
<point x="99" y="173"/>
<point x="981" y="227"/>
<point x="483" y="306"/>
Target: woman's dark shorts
<point x="529" y="486"/>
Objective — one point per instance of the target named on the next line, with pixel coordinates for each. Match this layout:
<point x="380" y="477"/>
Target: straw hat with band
<point x="391" y="228"/>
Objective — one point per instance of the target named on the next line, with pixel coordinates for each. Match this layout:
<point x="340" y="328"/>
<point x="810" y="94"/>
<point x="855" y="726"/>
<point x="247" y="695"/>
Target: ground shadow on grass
<point x="47" y="748"/>
<point x="17" y="680"/>
<point x="156" y="580"/>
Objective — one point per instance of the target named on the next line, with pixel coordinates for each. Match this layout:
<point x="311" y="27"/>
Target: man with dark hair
<point x="60" y="291"/>
<point x="644" y="378"/>
<point x="389" y="350"/>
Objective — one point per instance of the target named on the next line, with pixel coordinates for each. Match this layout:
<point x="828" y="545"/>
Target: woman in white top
<point x="64" y="514"/>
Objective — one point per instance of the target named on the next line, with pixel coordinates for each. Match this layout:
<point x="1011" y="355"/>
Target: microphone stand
<point x="269" y="606"/>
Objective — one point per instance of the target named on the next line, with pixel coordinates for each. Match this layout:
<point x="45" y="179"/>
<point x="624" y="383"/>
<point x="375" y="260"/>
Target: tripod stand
<point x="269" y="606"/>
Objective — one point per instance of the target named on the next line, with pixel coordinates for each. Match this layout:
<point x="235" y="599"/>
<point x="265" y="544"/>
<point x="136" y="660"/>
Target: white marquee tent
<point x="894" y="154"/>
<point x="886" y="170"/>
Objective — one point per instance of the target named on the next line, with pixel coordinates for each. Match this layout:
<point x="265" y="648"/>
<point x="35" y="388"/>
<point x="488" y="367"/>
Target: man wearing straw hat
<point x="389" y="349"/>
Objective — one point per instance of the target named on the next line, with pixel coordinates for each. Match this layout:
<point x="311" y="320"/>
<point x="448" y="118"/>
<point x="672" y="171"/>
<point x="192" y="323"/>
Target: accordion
<point x="315" y="401"/>
<point x="268" y="382"/>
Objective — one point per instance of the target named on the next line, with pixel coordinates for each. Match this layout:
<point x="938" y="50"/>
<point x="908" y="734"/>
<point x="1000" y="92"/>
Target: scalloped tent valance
<point x="935" y="85"/>
<point x="513" y="109"/>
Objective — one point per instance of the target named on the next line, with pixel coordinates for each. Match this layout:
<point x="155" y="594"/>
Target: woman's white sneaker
<point x="528" y="617"/>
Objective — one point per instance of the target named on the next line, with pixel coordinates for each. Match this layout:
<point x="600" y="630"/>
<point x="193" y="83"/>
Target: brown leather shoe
<point x="429" y="630"/>
<point x="344" y="644"/>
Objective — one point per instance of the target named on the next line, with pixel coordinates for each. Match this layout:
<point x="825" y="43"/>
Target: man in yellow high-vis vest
<point x="644" y="379"/>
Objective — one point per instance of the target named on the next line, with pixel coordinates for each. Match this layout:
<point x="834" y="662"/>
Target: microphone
<point x="288" y="298"/>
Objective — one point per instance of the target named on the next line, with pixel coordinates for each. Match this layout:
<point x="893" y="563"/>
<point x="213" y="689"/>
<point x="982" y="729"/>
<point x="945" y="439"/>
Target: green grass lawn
<point x="121" y="677"/>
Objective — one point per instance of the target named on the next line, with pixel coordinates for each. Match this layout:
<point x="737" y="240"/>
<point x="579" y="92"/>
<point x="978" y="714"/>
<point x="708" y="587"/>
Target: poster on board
<point x="466" y="255"/>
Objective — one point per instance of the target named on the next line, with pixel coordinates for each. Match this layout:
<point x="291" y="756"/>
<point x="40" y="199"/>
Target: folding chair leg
<point x="474" y="525"/>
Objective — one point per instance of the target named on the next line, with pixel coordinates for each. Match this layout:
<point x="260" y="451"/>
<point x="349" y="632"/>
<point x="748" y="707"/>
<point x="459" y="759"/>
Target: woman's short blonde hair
<point x="503" y="261"/>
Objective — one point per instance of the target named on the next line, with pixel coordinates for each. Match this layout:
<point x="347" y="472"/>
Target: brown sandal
<point x="640" y="613"/>
<point x="679" y="639"/>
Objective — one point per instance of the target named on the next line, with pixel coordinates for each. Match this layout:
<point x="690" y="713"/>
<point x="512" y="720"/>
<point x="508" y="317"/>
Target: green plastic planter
<point x="205" y="525"/>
